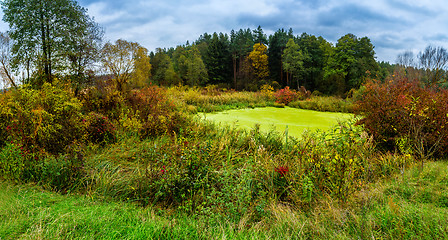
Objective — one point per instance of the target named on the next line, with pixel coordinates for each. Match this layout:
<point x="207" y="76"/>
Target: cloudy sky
<point x="394" y="26"/>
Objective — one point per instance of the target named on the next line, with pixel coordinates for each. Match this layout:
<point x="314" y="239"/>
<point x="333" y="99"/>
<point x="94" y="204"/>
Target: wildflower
<point x="282" y="170"/>
<point x="163" y="170"/>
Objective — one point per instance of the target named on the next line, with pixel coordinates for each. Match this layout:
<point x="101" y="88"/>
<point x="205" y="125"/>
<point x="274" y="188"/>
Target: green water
<point x="297" y="120"/>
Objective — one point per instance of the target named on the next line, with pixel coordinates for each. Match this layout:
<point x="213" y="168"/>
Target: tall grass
<point x="212" y="99"/>
<point x="325" y="104"/>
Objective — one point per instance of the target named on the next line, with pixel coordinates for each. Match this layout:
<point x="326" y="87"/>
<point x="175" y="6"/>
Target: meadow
<point x="143" y="164"/>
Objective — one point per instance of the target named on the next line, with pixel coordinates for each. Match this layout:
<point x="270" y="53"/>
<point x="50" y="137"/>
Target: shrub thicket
<point x="402" y="110"/>
<point x="325" y="104"/>
<point x="41" y="120"/>
<point x="155" y="111"/>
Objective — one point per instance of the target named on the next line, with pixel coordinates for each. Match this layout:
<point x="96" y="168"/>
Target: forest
<point x="108" y="140"/>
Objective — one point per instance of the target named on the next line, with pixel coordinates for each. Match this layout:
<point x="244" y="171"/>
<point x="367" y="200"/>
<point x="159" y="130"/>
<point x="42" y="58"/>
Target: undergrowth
<point x="411" y="205"/>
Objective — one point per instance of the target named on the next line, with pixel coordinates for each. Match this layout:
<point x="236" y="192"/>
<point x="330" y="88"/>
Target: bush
<point x="401" y="108"/>
<point x="102" y="98"/>
<point x="99" y="129"/>
<point x="41" y="120"/>
<point x="286" y="96"/>
<point x="155" y="111"/>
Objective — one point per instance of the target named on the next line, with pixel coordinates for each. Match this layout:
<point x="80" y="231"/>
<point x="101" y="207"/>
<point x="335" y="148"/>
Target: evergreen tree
<point x="259" y="36"/>
<point x="314" y="59"/>
<point x="241" y="44"/>
<point x="218" y="59"/>
<point x="277" y="43"/>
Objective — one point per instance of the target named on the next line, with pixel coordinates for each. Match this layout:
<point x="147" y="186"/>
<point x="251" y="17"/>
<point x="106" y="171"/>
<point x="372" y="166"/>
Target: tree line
<point x="57" y="39"/>
<point x="246" y="59"/>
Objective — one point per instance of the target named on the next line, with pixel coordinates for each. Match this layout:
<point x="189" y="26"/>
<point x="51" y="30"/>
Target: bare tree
<point x="5" y="60"/>
<point x="406" y="59"/>
<point x="434" y="61"/>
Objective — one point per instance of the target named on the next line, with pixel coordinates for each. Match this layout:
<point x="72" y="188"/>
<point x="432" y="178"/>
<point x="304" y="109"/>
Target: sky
<point x="393" y="26"/>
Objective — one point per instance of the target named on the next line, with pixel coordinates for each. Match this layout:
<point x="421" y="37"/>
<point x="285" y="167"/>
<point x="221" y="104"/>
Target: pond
<point x="297" y="120"/>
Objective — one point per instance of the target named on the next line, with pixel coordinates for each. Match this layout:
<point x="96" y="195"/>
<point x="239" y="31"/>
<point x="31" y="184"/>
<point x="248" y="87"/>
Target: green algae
<point x="297" y="120"/>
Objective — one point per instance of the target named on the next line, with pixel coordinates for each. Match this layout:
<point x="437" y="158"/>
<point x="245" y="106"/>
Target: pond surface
<point x="297" y="120"/>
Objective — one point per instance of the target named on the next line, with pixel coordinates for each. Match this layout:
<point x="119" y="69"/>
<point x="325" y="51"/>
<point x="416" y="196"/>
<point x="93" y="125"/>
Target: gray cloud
<point x="393" y="26"/>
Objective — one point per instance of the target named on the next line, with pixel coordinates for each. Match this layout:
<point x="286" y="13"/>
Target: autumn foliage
<point x="259" y="61"/>
<point x="286" y="95"/>
<point x="403" y="110"/>
<point x="155" y="111"/>
<point x="47" y="119"/>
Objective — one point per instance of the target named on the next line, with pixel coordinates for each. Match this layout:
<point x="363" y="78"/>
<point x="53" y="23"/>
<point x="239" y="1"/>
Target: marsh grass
<point x="233" y="174"/>
<point x="213" y="100"/>
<point x="325" y="104"/>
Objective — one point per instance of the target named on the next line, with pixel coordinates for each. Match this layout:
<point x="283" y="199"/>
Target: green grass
<point x="28" y="212"/>
<point x="409" y="206"/>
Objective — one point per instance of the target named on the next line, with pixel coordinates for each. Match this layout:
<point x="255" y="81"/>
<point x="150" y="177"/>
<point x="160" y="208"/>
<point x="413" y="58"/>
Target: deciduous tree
<point x="162" y="69"/>
<point x="259" y="61"/>
<point x="43" y="31"/>
<point x="434" y="61"/>
<point x="128" y="62"/>
<point x="353" y="60"/>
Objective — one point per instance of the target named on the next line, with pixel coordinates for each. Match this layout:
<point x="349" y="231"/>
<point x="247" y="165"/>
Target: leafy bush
<point x="267" y="90"/>
<point x="47" y="119"/>
<point x="156" y="112"/>
<point x="286" y="95"/>
<point x="99" y="129"/>
<point x="402" y="108"/>
<point x="206" y="101"/>
<point x="102" y="98"/>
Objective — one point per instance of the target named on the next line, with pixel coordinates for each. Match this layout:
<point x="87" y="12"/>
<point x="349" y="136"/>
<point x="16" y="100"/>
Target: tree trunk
<point x="234" y="73"/>
<point x="44" y="45"/>
<point x="49" y="78"/>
